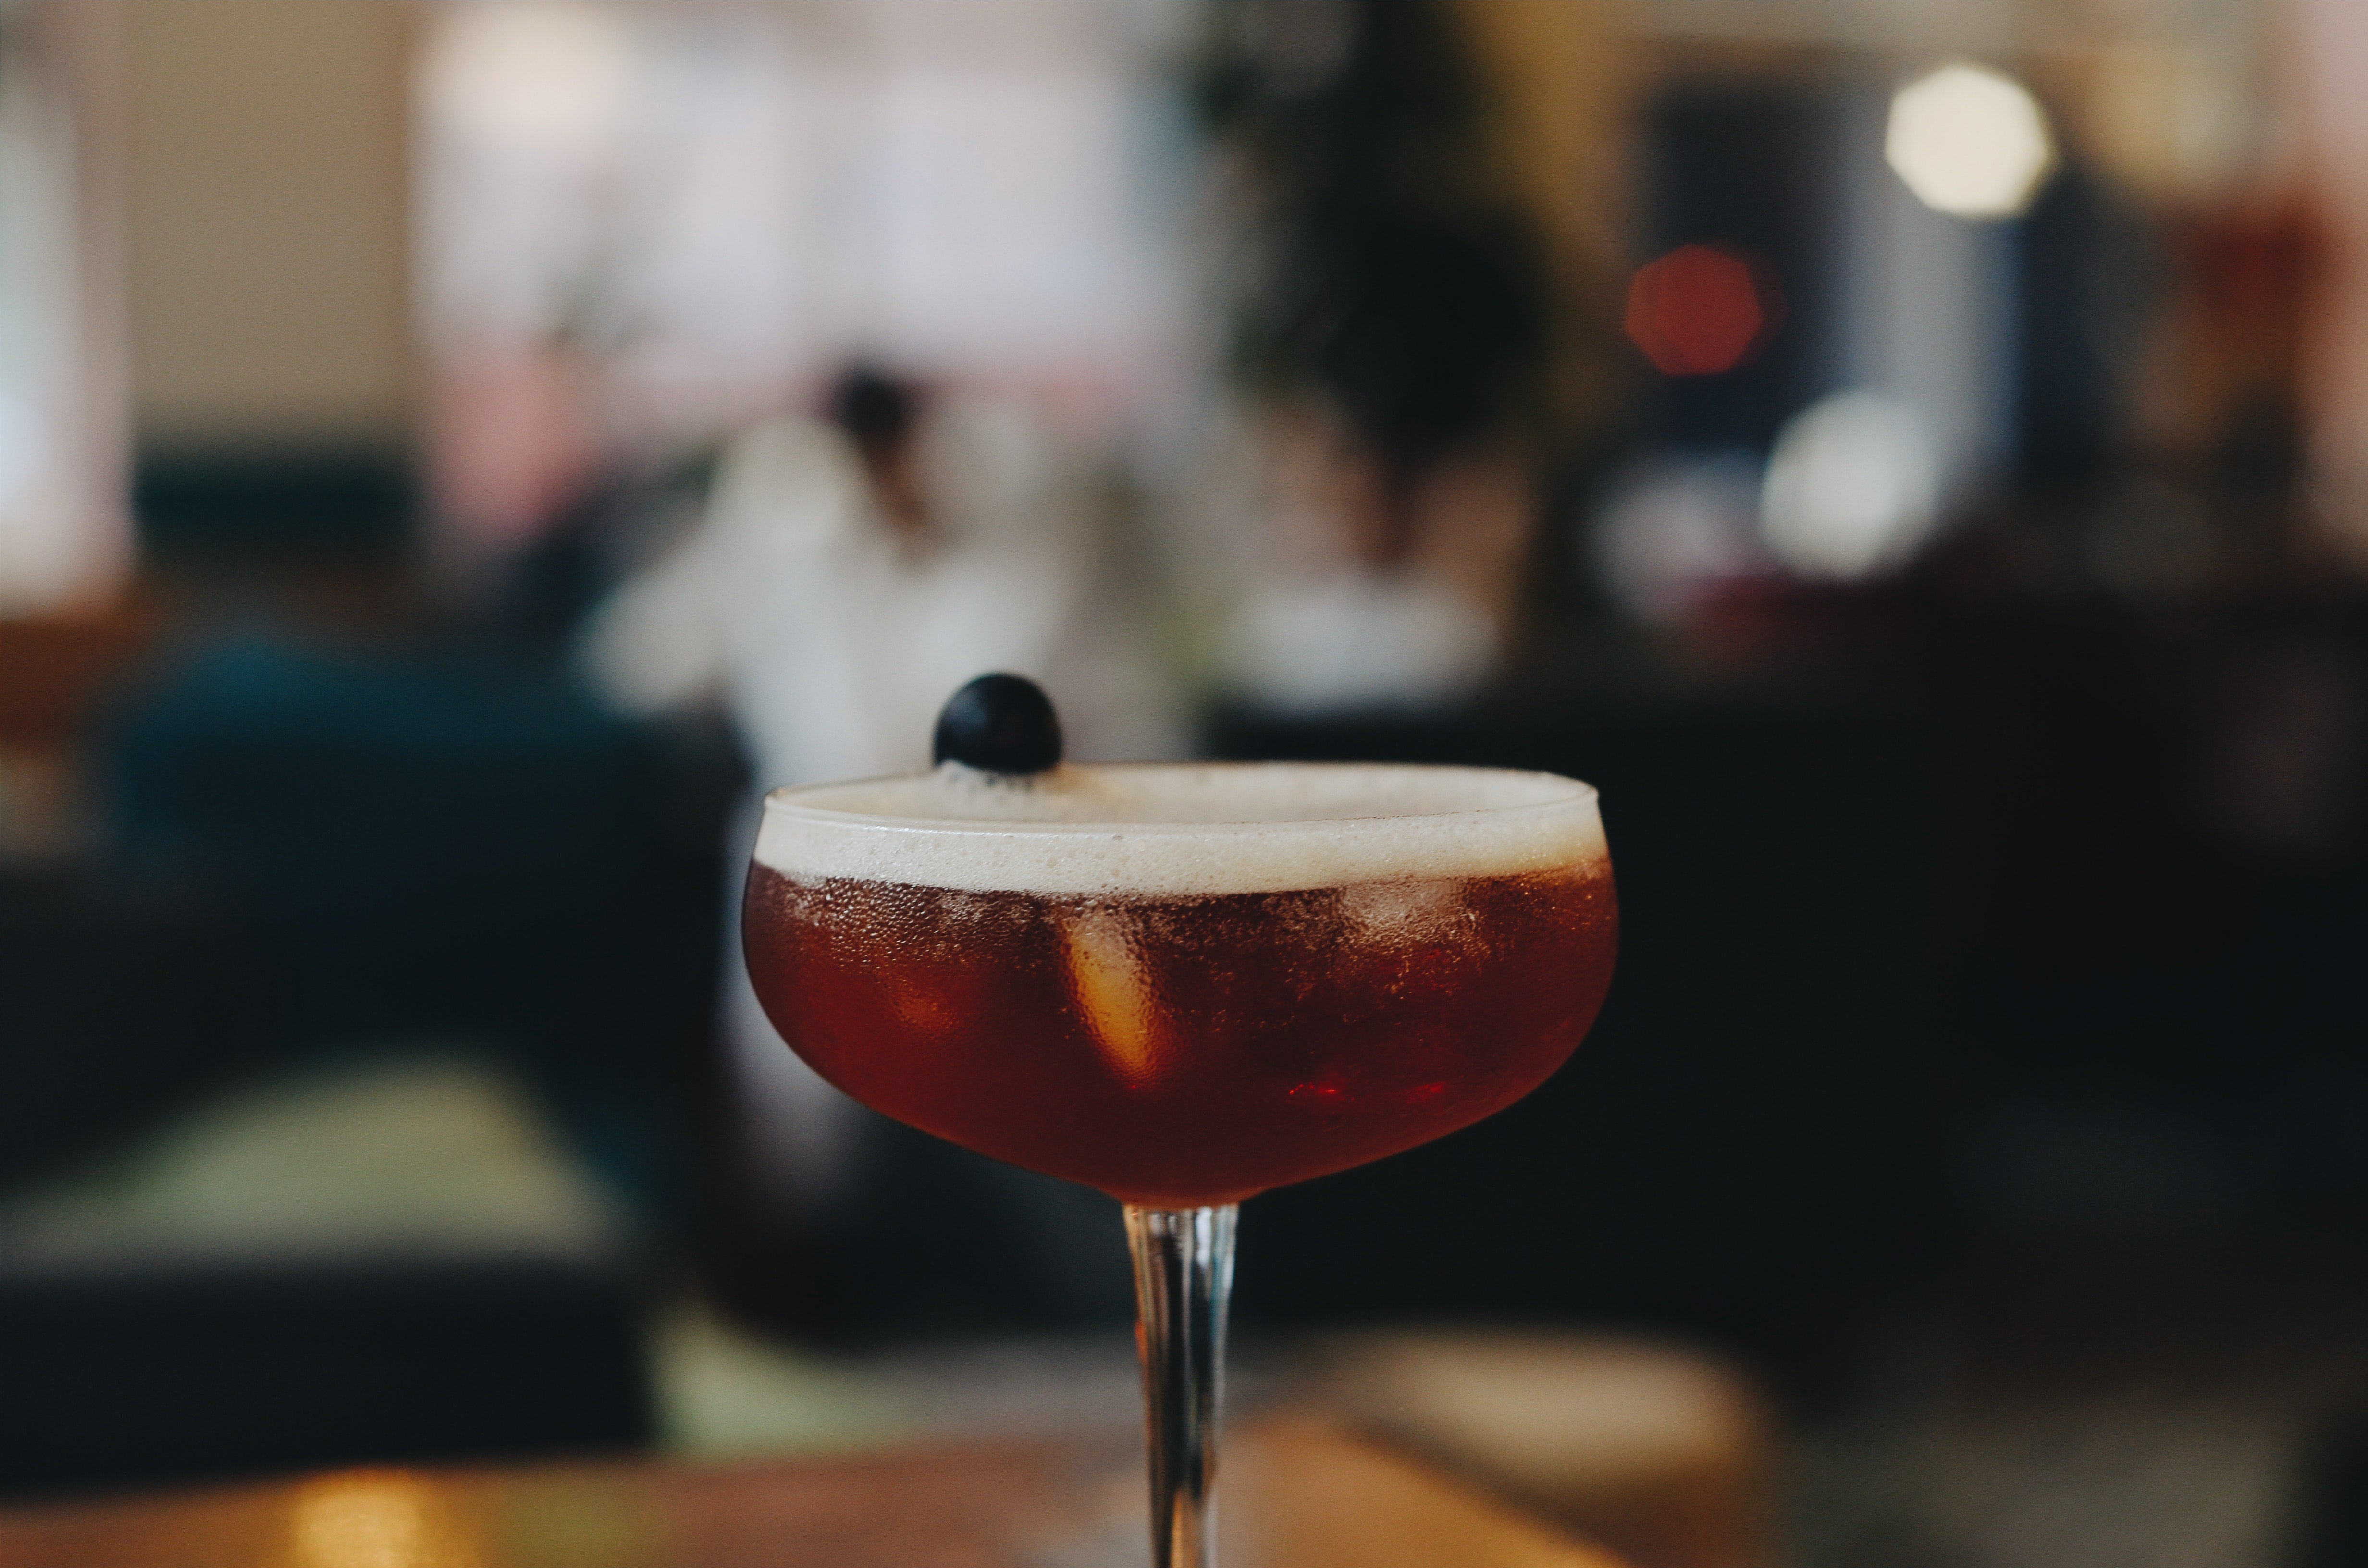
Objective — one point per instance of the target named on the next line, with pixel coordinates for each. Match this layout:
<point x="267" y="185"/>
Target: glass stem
<point x="1183" y="1273"/>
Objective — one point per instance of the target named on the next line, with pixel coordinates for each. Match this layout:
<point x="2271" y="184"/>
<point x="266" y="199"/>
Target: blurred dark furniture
<point x="2333" y="1529"/>
<point x="126" y="996"/>
<point x="220" y="506"/>
<point x="126" y="1378"/>
<point x="447" y="842"/>
<point x="314" y="849"/>
<point x="1744" y="1140"/>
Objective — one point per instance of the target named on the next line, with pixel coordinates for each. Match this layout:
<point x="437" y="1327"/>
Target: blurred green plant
<point x="1386" y="269"/>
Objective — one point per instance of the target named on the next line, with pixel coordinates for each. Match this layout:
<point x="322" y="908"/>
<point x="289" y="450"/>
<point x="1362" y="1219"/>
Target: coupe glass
<point x="1183" y="985"/>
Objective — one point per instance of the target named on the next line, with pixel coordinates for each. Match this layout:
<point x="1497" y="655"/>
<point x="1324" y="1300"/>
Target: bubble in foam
<point x="1182" y="829"/>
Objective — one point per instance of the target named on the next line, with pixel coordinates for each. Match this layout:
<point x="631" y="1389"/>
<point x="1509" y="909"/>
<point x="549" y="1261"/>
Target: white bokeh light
<point x="537" y="78"/>
<point x="1677" y="529"/>
<point x="1851" y="487"/>
<point x="1969" y="142"/>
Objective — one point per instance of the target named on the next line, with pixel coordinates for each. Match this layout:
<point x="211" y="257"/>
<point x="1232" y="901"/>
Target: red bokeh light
<point x="1699" y="311"/>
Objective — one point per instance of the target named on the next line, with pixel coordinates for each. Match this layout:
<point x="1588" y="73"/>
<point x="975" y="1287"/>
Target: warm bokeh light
<point x="375" y="1519"/>
<point x="1969" y="142"/>
<point x="1697" y="311"/>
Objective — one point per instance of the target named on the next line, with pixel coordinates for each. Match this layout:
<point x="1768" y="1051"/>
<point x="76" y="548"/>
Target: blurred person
<point x="850" y="572"/>
<point x="1375" y="585"/>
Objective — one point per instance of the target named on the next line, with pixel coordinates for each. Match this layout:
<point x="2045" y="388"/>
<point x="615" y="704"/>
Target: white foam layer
<point x="1171" y="830"/>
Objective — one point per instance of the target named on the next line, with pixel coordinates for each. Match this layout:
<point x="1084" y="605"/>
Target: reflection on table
<point x="1296" y="1493"/>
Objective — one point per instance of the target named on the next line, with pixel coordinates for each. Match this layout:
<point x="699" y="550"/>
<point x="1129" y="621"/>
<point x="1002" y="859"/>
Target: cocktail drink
<point x="1097" y="976"/>
<point x="1183" y="985"/>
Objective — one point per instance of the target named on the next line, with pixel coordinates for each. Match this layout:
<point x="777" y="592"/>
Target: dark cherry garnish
<point x="998" y="724"/>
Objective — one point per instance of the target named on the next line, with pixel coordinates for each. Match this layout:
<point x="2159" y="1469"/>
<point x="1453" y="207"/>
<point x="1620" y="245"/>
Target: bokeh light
<point x="1699" y="311"/>
<point x="1969" y="142"/>
<point x="376" y="1520"/>
<point x="1851" y="487"/>
<point x="543" y="78"/>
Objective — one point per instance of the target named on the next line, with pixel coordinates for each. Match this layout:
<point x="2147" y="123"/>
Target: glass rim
<point x="1568" y="793"/>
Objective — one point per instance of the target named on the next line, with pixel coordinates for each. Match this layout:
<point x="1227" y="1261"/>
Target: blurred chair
<point x="2332" y="1531"/>
<point x="313" y="852"/>
<point x="394" y="1260"/>
<point x="354" y="505"/>
<point x="1744" y="1141"/>
<point x="1661" y="1454"/>
<point x="126" y="997"/>
<point x="443" y="842"/>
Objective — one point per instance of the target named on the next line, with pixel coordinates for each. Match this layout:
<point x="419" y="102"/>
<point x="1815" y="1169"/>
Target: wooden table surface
<point x="1294" y="1494"/>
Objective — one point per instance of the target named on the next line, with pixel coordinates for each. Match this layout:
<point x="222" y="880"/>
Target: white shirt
<point x="833" y="640"/>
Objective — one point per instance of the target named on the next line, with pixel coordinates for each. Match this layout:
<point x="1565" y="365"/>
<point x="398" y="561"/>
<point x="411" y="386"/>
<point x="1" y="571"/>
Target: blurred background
<point x="1912" y="457"/>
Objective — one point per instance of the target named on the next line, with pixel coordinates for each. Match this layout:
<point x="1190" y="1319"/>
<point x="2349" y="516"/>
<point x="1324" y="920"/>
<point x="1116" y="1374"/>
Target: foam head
<point x="1181" y="829"/>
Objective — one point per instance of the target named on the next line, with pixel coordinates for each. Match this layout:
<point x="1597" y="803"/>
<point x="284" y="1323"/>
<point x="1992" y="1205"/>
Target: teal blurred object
<point x="354" y="504"/>
<point x="451" y="842"/>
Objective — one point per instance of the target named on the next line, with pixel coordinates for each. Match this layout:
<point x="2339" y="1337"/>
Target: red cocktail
<point x="1184" y="985"/>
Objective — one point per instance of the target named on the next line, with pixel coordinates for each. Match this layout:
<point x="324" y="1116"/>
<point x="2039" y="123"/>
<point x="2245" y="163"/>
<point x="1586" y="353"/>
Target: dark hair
<point x="875" y="409"/>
